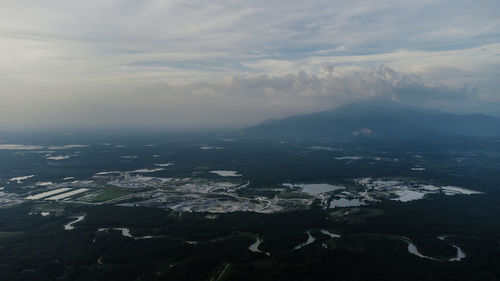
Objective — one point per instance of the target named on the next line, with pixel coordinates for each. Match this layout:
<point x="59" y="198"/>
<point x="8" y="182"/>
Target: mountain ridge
<point x="379" y="119"/>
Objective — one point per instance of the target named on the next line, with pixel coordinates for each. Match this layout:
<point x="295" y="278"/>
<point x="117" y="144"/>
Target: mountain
<point x="381" y="119"/>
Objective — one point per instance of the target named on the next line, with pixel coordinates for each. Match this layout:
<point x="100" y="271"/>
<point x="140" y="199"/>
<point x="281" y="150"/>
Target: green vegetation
<point x="111" y="192"/>
<point x="204" y="246"/>
<point x="7" y="234"/>
<point x="221" y="248"/>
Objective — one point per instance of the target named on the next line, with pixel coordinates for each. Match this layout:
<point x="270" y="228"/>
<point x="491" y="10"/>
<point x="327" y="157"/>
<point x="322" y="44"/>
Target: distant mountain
<point x="380" y="119"/>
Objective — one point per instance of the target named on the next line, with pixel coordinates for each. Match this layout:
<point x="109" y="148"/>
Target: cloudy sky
<point x="232" y="63"/>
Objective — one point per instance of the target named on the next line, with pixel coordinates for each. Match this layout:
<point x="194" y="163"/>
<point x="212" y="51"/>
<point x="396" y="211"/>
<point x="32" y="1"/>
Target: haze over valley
<point x="268" y="140"/>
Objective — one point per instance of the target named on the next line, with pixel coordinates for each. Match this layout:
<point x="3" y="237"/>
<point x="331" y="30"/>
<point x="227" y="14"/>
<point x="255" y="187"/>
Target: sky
<point x="173" y="64"/>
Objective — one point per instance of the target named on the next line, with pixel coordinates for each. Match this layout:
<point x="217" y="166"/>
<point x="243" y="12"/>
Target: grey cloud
<point x="244" y="100"/>
<point x="238" y="101"/>
<point x="151" y="62"/>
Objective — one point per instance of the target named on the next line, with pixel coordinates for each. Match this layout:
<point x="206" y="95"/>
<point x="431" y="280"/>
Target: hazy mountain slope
<point x="378" y="119"/>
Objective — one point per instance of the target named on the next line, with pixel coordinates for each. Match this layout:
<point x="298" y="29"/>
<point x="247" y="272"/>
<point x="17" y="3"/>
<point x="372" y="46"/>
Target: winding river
<point x="126" y="233"/>
<point x="328" y="233"/>
<point x="310" y="240"/>
<point x="255" y="247"/>
<point x="69" y="225"/>
<point x="460" y="254"/>
<point x="412" y="249"/>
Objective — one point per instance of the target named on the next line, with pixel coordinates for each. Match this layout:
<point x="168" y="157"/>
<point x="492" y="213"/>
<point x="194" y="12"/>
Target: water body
<point x="255" y="247"/>
<point x="453" y="190"/>
<point x="163" y="164"/>
<point x="460" y="254"/>
<point x="226" y="173"/>
<point x="310" y="240"/>
<point x="147" y="170"/>
<point x="315" y="188"/>
<point x="21" y="179"/>
<point x="211" y="147"/>
<point x="126" y="233"/>
<point x="408" y="195"/>
<point x="349" y="158"/>
<point x="60" y="157"/>
<point x="67" y="146"/>
<point x="328" y="233"/>
<point x="418" y="169"/>
<point x="19" y="147"/>
<point x="69" y="226"/>
<point x="412" y="249"/>
<point x="321" y="148"/>
<point x="44" y="183"/>
<point x="343" y="202"/>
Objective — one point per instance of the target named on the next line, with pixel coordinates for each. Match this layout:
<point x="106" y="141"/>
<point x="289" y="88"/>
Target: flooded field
<point x="209" y="195"/>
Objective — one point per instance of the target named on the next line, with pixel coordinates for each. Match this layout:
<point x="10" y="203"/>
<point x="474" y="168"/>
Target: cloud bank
<point x="241" y="100"/>
<point x="228" y="63"/>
